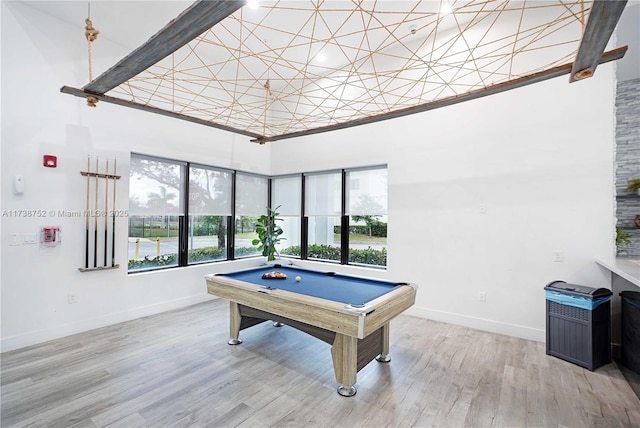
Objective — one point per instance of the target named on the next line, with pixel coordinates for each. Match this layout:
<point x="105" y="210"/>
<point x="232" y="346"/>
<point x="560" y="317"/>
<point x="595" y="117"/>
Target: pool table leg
<point x="384" y="352"/>
<point x="344" y="354"/>
<point x="234" y="324"/>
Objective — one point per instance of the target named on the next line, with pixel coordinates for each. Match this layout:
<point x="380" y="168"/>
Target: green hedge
<point x="368" y="256"/>
<point x="376" y="229"/>
<point x="196" y="255"/>
<point x="164" y="260"/>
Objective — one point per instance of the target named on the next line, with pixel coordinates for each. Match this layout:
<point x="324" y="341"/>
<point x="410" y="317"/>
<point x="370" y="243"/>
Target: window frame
<point x="182" y="255"/>
<point x="344" y="216"/>
<point x="231" y="250"/>
<point x="183" y="227"/>
<point x="301" y="229"/>
<point x="229" y="218"/>
<point x="347" y="212"/>
<point x="182" y="207"/>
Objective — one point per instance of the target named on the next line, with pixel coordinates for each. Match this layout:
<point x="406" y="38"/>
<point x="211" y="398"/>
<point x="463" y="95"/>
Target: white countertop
<point x="627" y="268"/>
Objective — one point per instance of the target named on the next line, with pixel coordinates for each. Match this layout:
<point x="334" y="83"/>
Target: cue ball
<point x="298" y="279"/>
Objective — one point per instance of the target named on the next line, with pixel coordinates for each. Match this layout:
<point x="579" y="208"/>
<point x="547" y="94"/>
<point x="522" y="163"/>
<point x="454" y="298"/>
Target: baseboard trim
<point x="36" y="337"/>
<point x="479" y="323"/>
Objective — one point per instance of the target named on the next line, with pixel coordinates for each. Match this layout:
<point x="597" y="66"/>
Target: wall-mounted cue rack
<point x="98" y="214"/>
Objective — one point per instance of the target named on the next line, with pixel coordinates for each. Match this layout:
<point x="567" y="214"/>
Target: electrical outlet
<point x="482" y="296"/>
<point x="72" y="298"/>
<point x="558" y="256"/>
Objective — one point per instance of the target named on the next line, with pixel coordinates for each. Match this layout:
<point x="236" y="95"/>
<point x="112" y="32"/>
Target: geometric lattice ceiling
<point x="289" y="67"/>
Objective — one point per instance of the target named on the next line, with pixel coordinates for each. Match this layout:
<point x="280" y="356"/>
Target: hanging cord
<point x="267" y="86"/>
<point x="91" y="34"/>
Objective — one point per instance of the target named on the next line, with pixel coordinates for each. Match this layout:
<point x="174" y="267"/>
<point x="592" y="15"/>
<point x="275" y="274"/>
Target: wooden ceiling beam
<point x="561" y="70"/>
<point x="603" y="18"/>
<point x="199" y="17"/>
<point x="112" y="100"/>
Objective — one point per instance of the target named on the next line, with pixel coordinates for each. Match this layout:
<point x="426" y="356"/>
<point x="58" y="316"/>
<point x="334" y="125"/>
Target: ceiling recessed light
<point x="321" y="57"/>
<point x="445" y="9"/>
<point x="253" y="4"/>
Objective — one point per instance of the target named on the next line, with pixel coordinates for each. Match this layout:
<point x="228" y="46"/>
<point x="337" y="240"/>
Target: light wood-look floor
<point x="176" y="369"/>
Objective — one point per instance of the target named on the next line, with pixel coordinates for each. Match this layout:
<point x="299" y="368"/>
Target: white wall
<point x="539" y="159"/>
<point x="39" y="55"/>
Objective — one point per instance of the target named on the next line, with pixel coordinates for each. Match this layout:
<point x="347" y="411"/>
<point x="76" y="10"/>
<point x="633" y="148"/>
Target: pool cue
<point x="86" y="215"/>
<point x="95" y="222"/>
<point x="106" y="211"/>
<point x="113" y="226"/>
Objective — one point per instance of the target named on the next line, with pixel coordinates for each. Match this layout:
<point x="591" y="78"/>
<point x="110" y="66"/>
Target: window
<point x="252" y="200"/>
<point x="323" y="210"/>
<point x="210" y="201"/>
<point x="286" y="196"/>
<point x="184" y="214"/>
<point x="155" y="207"/>
<point x="181" y="213"/>
<point x="346" y="216"/>
<point x="367" y="210"/>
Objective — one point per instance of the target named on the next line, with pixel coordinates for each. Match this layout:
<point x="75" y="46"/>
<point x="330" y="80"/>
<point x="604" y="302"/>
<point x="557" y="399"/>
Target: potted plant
<point x="622" y="238"/>
<point x="634" y="185"/>
<point x="268" y="234"/>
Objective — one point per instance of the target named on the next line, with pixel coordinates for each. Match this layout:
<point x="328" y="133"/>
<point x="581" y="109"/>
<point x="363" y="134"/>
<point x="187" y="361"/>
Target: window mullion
<point x="344" y="222"/>
<point x="304" y="223"/>
<point x="231" y="223"/>
<point x="183" y="225"/>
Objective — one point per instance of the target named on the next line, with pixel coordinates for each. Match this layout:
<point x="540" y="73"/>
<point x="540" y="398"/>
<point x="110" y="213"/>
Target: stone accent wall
<point x="628" y="159"/>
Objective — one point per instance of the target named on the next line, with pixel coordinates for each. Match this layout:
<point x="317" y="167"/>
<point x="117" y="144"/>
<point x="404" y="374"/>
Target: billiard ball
<point x="298" y="279"/>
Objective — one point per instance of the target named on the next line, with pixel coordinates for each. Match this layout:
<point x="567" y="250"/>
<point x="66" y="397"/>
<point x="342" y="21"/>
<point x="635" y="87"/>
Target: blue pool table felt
<point x="337" y="287"/>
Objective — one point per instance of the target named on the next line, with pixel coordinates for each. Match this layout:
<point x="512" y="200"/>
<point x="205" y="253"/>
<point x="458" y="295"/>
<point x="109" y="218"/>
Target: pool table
<point x="350" y="313"/>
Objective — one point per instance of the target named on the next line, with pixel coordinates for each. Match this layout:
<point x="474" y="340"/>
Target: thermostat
<point x="18" y="184"/>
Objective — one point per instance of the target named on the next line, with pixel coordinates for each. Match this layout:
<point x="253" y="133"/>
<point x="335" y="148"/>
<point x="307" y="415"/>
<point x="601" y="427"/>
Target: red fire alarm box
<point x="50" y="236"/>
<point x="49" y="161"/>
